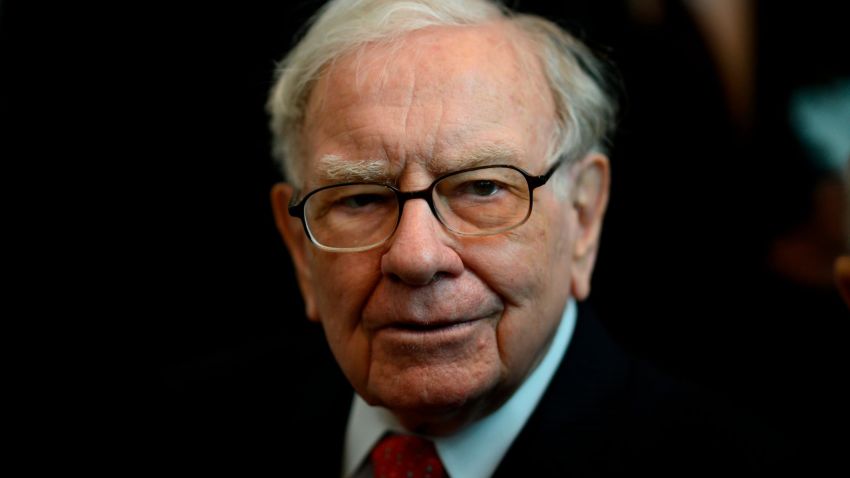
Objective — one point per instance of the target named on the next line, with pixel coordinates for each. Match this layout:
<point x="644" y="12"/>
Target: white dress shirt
<point x="475" y="451"/>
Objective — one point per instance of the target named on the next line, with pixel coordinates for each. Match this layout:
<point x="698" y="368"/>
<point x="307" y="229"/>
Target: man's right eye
<point x="358" y="201"/>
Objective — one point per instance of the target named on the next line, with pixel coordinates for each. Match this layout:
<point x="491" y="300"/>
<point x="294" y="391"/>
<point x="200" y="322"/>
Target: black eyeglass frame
<point x="534" y="182"/>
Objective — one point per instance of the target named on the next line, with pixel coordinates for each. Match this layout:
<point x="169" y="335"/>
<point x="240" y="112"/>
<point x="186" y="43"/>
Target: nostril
<point x="438" y="276"/>
<point x="435" y="278"/>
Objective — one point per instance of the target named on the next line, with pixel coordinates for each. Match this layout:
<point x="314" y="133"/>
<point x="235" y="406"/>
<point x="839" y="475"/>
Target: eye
<point x="482" y="188"/>
<point x="358" y="201"/>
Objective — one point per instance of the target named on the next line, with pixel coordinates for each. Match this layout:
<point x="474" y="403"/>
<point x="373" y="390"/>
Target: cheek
<point x="556" y="230"/>
<point x="347" y="280"/>
<point x="527" y="264"/>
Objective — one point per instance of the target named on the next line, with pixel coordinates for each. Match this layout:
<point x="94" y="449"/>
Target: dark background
<point x="138" y="132"/>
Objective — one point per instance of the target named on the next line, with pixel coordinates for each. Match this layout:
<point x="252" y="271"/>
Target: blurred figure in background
<point x="842" y="264"/>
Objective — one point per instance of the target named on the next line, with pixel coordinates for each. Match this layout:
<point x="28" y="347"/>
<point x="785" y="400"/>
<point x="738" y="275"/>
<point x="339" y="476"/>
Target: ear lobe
<point x="592" y="177"/>
<point x="296" y="241"/>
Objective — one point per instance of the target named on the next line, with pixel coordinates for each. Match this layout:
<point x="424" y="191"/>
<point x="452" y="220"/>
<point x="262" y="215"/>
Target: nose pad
<point x="419" y="251"/>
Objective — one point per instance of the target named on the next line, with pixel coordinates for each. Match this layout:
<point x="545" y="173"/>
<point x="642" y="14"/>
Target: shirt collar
<point x="477" y="449"/>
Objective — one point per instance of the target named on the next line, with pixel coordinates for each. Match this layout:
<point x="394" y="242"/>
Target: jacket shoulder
<point x="607" y="413"/>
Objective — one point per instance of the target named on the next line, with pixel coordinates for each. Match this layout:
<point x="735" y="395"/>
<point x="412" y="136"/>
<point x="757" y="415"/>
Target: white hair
<point x="585" y="109"/>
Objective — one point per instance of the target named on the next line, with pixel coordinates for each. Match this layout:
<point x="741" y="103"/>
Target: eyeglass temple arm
<point x="296" y="209"/>
<point x="537" y="181"/>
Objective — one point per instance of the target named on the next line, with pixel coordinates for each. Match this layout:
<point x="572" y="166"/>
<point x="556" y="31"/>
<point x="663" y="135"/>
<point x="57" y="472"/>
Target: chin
<point x="434" y="401"/>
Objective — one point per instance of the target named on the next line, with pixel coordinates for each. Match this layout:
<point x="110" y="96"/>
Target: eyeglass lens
<point x="477" y="202"/>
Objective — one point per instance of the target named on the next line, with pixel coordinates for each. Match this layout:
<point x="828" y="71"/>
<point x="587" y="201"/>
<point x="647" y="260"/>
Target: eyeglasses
<point x="480" y="201"/>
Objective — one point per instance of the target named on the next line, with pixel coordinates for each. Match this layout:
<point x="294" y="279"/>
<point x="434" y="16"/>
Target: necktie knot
<point x="406" y="456"/>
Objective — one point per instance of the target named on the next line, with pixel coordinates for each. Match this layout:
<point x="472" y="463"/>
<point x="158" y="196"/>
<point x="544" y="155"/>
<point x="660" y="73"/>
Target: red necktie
<point x="406" y="456"/>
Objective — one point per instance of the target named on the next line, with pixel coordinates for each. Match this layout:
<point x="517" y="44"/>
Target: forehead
<point x="435" y="96"/>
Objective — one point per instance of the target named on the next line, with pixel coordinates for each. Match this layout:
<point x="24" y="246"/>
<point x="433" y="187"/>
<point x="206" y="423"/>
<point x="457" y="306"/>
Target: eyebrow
<point x="481" y="155"/>
<point x="336" y="169"/>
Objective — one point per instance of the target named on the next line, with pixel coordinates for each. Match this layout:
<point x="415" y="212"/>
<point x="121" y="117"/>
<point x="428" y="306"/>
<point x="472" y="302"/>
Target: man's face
<point x="437" y="327"/>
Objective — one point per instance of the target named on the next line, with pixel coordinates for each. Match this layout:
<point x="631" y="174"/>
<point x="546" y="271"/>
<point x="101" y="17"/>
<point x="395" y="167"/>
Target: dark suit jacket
<point x="603" y="414"/>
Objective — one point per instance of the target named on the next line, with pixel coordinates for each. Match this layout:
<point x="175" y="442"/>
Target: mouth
<point x="427" y="337"/>
<point x="430" y="326"/>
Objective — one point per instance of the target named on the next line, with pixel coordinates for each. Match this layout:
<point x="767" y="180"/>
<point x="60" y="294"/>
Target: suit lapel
<point x="569" y="429"/>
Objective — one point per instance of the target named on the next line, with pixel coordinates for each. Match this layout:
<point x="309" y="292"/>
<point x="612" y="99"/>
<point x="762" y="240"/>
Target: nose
<point x="420" y="250"/>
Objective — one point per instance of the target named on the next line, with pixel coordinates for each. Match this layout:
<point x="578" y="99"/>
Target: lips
<point x="437" y="325"/>
<point x="427" y="320"/>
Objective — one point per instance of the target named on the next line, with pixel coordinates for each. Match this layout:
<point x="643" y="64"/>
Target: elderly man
<point x="446" y="185"/>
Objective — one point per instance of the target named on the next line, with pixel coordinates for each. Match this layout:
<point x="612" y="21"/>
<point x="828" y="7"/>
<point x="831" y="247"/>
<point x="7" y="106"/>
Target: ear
<point x="297" y="243"/>
<point x="591" y="180"/>
<point x="842" y="277"/>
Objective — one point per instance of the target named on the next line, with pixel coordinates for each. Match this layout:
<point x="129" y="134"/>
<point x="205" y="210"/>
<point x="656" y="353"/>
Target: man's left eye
<point x="482" y="188"/>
